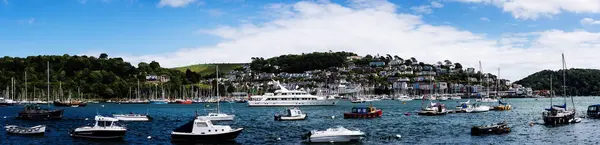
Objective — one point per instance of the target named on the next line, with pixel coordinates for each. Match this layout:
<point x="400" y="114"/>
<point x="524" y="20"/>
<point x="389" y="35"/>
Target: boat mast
<point x="551" y="92"/>
<point x="218" y="96"/>
<point x="565" y="80"/>
<point x="48" y="82"/>
<point x="26" y="84"/>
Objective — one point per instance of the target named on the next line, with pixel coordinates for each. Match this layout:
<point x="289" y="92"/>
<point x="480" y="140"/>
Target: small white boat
<point x="477" y="108"/>
<point x="104" y="128"/>
<point x="219" y="117"/>
<point x="442" y="98"/>
<point x="201" y="129"/>
<point x="290" y="114"/>
<point x="487" y="100"/>
<point x="339" y="134"/>
<point x="132" y="117"/>
<point x="404" y="98"/>
<point x="36" y="130"/>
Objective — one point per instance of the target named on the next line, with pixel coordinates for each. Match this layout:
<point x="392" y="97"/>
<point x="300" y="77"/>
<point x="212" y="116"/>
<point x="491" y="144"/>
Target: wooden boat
<point x="36" y="130"/>
<point x="593" y="111"/>
<point x="290" y="114"/>
<point x="35" y="112"/>
<point x="560" y="114"/>
<point x="499" y="128"/>
<point x="364" y="112"/>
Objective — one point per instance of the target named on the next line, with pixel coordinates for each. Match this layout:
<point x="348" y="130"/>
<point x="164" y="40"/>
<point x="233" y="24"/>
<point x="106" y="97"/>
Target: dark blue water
<point x="261" y="129"/>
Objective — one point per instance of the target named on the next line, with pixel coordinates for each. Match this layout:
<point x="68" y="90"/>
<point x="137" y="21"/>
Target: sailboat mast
<point x="565" y="80"/>
<point x="25" y="84"/>
<point x="48" y="82"/>
<point x="551" y="91"/>
<point x="218" y="96"/>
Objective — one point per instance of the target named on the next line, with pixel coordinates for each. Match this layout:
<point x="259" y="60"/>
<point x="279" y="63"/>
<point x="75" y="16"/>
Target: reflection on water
<point x="260" y="128"/>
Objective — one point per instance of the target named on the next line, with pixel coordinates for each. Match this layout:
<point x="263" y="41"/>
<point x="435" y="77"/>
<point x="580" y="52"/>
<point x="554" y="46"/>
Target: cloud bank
<point x="374" y="27"/>
<point x="533" y="9"/>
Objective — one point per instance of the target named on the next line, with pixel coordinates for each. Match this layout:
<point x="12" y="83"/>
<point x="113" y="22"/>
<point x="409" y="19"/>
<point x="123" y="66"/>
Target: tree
<point x="103" y="56"/>
<point x="458" y="66"/>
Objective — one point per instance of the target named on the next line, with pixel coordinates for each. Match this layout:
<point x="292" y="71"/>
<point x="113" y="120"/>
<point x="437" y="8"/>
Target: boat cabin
<point x="106" y="121"/>
<point x="363" y="110"/>
<point x="594" y="111"/>
<point x="292" y="112"/>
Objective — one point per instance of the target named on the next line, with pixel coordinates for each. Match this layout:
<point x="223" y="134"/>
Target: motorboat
<point x="477" y="108"/>
<point x="404" y="98"/>
<point x="285" y="97"/>
<point x="433" y="109"/>
<point x="364" y="112"/>
<point x="338" y="134"/>
<point x="290" y="114"/>
<point x="6" y="102"/>
<point x="132" y="117"/>
<point x="593" y="111"/>
<point x="499" y="128"/>
<point x="201" y="129"/>
<point x="442" y="98"/>
<point x="487" y="100"/>
<point x="36" y="130"/>
<point x="219" y="117"/>
<point x="159" y="101"/>
<point x="104" y="128"/>
<point x="35" y="112"/>
<point x="357" y="100"/>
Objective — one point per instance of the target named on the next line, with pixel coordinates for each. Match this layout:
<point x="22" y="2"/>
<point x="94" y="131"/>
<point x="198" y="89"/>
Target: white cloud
<point x="589" y="21"/>
<point x="174" y="3"/>
<point x="377" y="29"/>
<point x="484" y="19"/>
<point x="426" y="9"/>
<point x="533" y="9"/>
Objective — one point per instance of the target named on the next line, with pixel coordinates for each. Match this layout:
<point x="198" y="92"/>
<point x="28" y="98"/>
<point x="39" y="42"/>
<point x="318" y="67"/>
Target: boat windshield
<point x="104" y="123"/>
<point x="593" y="108"/>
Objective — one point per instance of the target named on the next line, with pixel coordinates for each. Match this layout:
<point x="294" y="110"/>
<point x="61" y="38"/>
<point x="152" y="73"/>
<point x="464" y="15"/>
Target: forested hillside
<point x="581" y="82"/>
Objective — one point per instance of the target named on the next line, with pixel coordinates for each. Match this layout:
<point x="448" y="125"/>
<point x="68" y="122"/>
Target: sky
<point x="520" y="37"/>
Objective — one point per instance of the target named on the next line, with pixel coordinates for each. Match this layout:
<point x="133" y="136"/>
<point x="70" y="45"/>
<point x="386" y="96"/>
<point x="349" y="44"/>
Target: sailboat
<point x="432" y="109"/>
<point x="218" y="116"/>
<point x="162" y="100"/>
<point x="35" y="112"/>
<point x="560" y="114"/>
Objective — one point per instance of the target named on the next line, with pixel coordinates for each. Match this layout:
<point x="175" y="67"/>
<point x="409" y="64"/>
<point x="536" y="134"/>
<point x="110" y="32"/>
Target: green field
<point x="206" y="69"/>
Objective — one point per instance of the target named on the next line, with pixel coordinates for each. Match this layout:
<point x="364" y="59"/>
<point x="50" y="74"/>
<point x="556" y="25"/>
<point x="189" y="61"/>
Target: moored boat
<point x="201" y="129"/>
<point x="364" y="112"/>
<point x="502" y="106"/>
<point x="36" y="130"/>
<point x="339" y="134"/>
<point x="104" y="128"/>
<point x="593" y="111"/>
<point x="499" y="128"/>
<point x="35" y="112"/>
<point x="560" y="114"/>
<point x="290" y="114"/>
<point x="132" y="117"/>
<point x="434" y="109"/>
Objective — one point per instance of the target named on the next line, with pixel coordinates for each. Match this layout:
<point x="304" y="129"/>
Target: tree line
<point x="580" y="82"/>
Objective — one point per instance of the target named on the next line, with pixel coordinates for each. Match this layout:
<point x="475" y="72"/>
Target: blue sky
<point x="165" y="30"/>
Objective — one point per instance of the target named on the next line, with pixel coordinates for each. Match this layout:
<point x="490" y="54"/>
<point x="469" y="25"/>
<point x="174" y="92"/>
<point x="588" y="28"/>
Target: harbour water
<point x="260" y="128"/>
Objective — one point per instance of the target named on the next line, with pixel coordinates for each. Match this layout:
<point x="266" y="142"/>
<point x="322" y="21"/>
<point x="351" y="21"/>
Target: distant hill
<point x="580" y="82"/>
<point x="206" y="69"/>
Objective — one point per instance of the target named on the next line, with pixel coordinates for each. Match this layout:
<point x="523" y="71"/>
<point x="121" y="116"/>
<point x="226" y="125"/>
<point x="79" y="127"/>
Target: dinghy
<point x="290" y="114"/>
<point x="36" y="130"/>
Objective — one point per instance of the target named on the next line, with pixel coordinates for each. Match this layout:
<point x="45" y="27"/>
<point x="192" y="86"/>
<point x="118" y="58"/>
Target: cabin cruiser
<point x="132" y="117"/>
<point x="290" y="114"/>
<point x="201" y="129"/>
<point x="593" y="111"/>
<point x="339" y="134"/>
<point x="285" y="97"/>
<point x="35" y="112"/>
<point x="434" y="109"/>
<point x="104" y="128"/>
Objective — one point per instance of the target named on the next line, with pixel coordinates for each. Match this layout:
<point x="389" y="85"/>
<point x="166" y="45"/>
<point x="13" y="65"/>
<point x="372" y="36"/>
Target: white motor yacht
<point x="476" y="108"/>
<point x="290" y="114"/>
<point x="338" y="134"/>
<point x="201" y="129"/>
<point x="285" y="97"/>
<point x="104" y="128"/>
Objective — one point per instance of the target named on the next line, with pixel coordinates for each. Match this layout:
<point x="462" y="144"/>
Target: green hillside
<point x="206" y="69"/>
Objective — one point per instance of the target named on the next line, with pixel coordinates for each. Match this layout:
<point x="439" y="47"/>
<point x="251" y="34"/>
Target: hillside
<point x="206" y="69"/>
<point x="580" y="82"/>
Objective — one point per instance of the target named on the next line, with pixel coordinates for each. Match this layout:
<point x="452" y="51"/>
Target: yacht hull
<point x="99" y="134"/>
<point x="341" y="138"/>
<point x="41" y="115"/>
<point x="190" y="137"/>
<point x="328" y="102"/>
